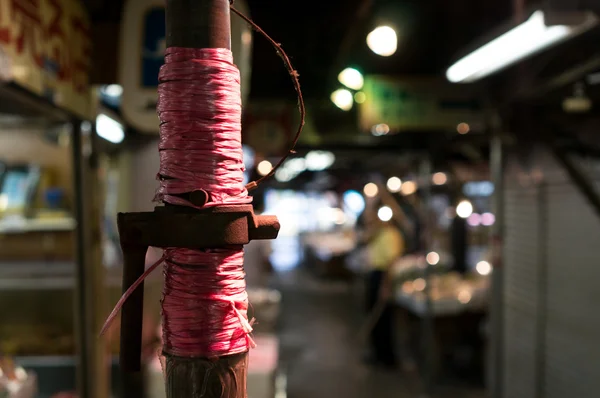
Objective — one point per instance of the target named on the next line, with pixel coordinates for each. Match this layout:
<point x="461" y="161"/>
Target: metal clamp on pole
<point x="177" y="227"/>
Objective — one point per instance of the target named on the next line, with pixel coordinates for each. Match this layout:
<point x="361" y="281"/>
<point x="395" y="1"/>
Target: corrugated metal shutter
<point x="551" y="285"/>
<point x="572" y="357"/>
<point x="521" y="258"/>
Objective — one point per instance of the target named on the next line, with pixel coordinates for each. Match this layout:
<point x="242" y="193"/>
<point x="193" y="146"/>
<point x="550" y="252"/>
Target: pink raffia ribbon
<point x="204" y="304"/>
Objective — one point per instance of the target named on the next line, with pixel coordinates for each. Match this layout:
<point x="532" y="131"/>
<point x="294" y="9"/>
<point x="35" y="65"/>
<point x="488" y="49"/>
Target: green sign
<point x="417" y="104"/>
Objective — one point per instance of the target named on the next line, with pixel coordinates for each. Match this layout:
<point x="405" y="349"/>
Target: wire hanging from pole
<point x="295" y="80"/>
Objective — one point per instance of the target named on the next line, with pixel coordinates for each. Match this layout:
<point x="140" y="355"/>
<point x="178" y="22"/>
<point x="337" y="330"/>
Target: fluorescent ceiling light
<point x="529" y="38"/>
<point x="109" y="129"/>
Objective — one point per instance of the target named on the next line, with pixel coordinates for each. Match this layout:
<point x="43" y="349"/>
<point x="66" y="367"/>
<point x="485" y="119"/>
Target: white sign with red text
<point x="45" y="48"/>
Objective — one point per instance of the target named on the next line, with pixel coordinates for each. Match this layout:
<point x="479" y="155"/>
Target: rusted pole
<point x="198" y="24"/>
<point x="202" y="24"/>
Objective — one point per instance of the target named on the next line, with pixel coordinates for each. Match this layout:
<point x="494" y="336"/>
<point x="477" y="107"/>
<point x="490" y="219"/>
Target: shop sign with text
<point x="417" y="104"/>
<point x="45" y="48"/>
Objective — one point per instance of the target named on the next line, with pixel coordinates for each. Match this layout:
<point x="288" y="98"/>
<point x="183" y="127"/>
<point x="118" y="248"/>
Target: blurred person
<point x="458" y="235"/>
<point x="384" y="245"/>
<point x="459" y="238"/>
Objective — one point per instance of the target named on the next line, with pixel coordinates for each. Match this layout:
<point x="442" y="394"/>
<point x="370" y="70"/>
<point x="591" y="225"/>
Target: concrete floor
<point x="320" y="352"/>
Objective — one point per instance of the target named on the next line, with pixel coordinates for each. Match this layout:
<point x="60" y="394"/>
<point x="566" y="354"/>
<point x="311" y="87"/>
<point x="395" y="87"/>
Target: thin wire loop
<point x="295" y="80"/>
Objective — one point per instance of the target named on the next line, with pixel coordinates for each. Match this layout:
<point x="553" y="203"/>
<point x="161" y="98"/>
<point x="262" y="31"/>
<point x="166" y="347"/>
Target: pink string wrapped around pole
<point x="205" y="304"/>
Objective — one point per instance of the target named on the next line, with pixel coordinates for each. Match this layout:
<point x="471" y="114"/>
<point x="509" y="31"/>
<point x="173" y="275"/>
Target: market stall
<point x="457" y="305"/>
<point x="51" y="278"/>
<point x="327" y="252"/>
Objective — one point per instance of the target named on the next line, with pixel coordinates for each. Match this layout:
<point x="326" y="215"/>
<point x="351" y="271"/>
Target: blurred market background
<point x="466" y="126"/>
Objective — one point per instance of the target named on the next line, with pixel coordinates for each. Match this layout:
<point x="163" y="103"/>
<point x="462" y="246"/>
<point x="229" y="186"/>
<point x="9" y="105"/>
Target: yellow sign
<point x="45" y="48"/>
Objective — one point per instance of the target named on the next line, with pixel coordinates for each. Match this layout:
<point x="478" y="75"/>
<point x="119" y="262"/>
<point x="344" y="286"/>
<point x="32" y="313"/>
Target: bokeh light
<point x="408" y="188"/>
<point x="351" y="78"/>
<point x="383" y="41"/>
<point x="432" y="258"/>
<point x="380" y="129"/>
<point x="419" y="284"/>
<point x="360" y="97"/>
<point x="394" y="184"/>
<point x="385" y="213"/>
<point x="488" y="219"/>
<point x="464" y="209"/>
<point x="439" y="178"/>
<point x="463" y="128"/>
<point x="343" y="99"/>
<point x="354" y="201"/>
<point x="474" y="220"/>
<point x="464" y="296"/>
<point x="371" y="190"/>
<point x="264" y="167"/>
<point x="483" y="268"/>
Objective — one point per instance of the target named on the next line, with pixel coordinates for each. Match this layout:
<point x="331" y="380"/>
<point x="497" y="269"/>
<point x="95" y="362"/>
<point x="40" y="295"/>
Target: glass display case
<point x="38" y="235"/>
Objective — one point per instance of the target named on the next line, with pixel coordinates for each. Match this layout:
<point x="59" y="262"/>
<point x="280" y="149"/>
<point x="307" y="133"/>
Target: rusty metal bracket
<point x="181" y="227"/>
<point x="193" y="229"/>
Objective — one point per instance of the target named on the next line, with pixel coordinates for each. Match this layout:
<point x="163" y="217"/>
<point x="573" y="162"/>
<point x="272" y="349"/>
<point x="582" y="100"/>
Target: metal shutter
<point x="520" y="259"/>
<point x="572" y="355"/>
<point x="551" y="284"/>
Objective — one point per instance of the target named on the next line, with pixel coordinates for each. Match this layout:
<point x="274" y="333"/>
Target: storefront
<point x="51" y="274"/>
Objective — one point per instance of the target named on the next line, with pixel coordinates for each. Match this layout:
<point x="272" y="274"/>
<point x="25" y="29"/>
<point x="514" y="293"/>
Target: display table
<point x="326" y="253"/>
<point x="418" y="305"/>
<point x="458" y="310"/>
<point x="56" y="374"/>
<point x="16" y="225"/>
<point x="328" y="244"/>
<point x="450" y="292"/>
<point x="35" y="240"/>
